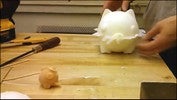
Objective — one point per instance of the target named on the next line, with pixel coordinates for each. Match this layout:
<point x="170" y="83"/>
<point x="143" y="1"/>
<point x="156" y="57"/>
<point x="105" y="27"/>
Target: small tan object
<point x="48" y="77"/>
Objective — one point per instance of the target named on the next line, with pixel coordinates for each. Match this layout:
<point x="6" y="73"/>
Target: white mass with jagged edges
<point x="118" y="31"/>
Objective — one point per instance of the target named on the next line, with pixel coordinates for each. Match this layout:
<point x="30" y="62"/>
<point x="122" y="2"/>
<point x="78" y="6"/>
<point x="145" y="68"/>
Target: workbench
<point x="77" y="56"/>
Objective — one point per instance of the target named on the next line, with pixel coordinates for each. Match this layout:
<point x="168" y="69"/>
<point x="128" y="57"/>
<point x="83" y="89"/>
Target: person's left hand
<point x="161" y="37"/>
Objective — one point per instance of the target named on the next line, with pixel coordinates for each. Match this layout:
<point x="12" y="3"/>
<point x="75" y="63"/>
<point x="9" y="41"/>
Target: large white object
<point x="13" y="95"/>
<point x="119" y="31"/>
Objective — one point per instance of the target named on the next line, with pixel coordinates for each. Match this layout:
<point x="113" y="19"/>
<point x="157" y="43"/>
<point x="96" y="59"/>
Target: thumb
<point x="152" y="33"/>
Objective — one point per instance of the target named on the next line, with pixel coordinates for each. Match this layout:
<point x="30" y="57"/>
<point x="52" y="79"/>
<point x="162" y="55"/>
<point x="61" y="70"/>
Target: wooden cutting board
<point x="78" y="56"/>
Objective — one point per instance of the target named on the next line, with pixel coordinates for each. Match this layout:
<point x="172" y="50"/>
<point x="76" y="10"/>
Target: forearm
<point x="113" y="5"/>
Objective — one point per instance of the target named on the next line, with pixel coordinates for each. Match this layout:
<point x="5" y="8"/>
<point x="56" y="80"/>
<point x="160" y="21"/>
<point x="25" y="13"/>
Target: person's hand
<point x="113" y="5"/>
<point x="125" y="5"/>
<point x="160" y="38"/>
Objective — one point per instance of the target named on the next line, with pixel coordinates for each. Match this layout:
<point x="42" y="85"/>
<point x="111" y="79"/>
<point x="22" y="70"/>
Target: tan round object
<point x="48" y="77"/>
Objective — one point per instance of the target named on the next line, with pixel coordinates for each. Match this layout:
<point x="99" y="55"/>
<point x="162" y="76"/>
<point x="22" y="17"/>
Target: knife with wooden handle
<point x="50" y="43"/>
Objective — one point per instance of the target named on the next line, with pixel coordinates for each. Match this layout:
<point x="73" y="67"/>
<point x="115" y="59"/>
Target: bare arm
<point x="115" y="4"/>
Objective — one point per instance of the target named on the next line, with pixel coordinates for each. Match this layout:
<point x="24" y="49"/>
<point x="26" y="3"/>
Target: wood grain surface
<point x="78" y="56"/>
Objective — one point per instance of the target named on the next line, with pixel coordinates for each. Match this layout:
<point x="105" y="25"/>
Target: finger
<point x="148" y="53"/>
<point x="153" y="51"/>
<point x="147" y="45"/>
<point x="152" y="33"/>
<point x="155" y="46"/>
<point x="147" y="48"/>
<point x="148" y="41"/>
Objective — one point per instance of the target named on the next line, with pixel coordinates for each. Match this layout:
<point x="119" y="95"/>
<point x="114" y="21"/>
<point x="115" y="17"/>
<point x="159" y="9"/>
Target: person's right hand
<point x="161" y="37"/>
<point x="114" y="5"/>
